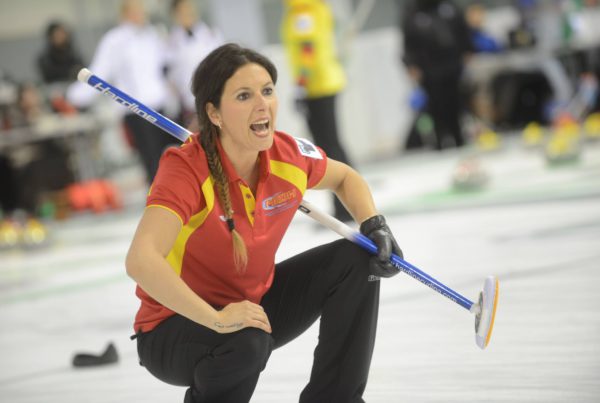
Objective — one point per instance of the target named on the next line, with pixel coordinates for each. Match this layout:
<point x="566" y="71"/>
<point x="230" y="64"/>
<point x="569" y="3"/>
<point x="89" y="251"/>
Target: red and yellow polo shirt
<point x="203" y="252"/>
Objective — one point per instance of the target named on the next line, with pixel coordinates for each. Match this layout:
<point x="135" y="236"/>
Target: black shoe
<point x="109" y="356"/>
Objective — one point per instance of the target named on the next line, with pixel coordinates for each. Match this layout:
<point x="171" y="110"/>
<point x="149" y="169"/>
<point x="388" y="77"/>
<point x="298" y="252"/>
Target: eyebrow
<point x="270" y="82"/>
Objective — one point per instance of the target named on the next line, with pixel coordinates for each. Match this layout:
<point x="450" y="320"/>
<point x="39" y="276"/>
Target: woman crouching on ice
<point x="213" y="302"/>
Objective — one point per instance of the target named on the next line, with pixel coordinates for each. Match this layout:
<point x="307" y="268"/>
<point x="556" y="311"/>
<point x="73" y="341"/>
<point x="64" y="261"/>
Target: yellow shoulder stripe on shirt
<point x="290" y="173"/>
<point x="175" y="256"/>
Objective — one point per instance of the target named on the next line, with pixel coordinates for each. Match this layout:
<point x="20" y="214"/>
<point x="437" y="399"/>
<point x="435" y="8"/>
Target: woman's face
<point x="59" y="37"/>
<point x="248" y="110"/>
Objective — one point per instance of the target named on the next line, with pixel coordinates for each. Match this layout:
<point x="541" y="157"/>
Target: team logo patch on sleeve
<point x="308" y="149"/>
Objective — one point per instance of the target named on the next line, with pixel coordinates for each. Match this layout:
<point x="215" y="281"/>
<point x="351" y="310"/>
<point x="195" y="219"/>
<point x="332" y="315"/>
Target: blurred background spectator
<point x="308" y="34"/>
<point x="482" y="41"/>
<point x="436" y="46"/>
<point x="33" y="171"/>
<point x="190" y="40"/>
<point x="44" y="164"/>
<point x="133" y="57"/>
<point x="59" y="60"/>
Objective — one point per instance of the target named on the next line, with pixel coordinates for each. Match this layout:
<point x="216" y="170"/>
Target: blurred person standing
<point x="190" y="41"/>
<point x="42" y="165"/>
<point x="308" y="36"/>
<point x="30" y="171"/>
<point x="58" y="65"/>
<point x="59" y="61"/>
<point x="132" y="56"/>
<point x="482" y="41"/>
<point x="436" y="45"/>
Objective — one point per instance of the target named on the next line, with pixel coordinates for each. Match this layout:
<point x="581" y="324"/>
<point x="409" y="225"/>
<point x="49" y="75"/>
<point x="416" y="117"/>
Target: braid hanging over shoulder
<point x="208" y="142"/>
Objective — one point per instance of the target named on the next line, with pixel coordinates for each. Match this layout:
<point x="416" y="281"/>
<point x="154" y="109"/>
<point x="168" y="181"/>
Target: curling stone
<point x="488" y="140"/>
<point x="533" y="135"/>
<point x="563" y="147"/>
<point x="78" y="196"/>
<point x="35" y="234"/>
<point x="591" y="126"/>
<point x="469" y="175"/>
<point x="10" y="234"/>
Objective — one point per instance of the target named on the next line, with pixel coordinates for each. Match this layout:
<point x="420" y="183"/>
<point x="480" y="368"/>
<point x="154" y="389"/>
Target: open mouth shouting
<point x="261" y="127"/>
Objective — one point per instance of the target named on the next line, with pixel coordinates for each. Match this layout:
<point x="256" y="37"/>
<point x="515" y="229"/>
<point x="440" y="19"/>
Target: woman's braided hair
<point x="208" y="84"/>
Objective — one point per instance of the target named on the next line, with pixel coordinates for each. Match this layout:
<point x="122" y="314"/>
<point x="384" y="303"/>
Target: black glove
<point x="377" y="230"/>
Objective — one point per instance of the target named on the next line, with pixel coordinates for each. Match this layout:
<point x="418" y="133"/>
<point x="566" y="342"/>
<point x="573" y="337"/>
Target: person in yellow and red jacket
<point x="307" y="32"/>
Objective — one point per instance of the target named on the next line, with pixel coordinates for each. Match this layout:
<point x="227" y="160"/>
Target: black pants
<point x="331" y="282"/>
<point x="150" y="141"/>
<point x="9" y="185"/>
<point x="444" y="105"/>
<point x="47" y="171"/>
<point x="322" y="122"/>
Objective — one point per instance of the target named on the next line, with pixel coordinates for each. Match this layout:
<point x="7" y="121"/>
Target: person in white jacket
<point x="190" y="40"/>
<point x="133" y="57"/>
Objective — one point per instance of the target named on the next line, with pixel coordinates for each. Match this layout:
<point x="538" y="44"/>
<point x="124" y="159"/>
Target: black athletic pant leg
<point x="150" y="141"/>
<point x="445" y="108"/>
<point x="330" y="281"/>
<point x="322" y="123"/>
<point x="219" y="368"/>
<point x="9" y="199"/>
